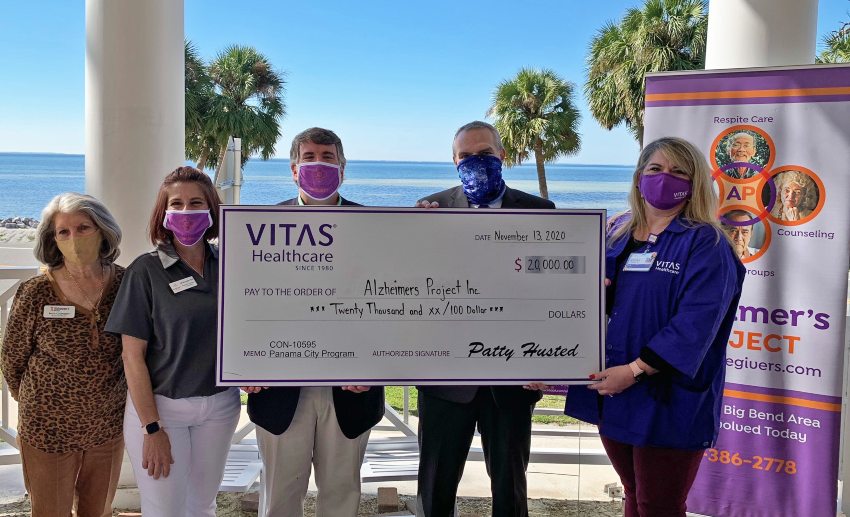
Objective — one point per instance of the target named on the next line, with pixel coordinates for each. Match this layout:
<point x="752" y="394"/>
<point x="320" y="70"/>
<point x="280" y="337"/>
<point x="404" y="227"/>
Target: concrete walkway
<point x="545" y="480"/>
<point x="551" y="481"/>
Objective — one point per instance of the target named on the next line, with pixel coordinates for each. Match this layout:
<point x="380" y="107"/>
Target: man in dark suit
<point x="326" y="427"/>
<point x="448" y="414"/>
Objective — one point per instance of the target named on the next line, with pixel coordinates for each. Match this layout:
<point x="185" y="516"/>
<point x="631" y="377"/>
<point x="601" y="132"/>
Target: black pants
<point x="445" y="435"/>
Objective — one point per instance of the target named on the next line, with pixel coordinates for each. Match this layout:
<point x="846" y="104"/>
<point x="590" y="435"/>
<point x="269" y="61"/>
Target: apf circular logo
<point x="753" y="193"/>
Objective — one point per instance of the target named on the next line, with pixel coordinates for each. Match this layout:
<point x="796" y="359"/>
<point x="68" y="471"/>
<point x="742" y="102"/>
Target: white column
<point x="134" y="108"/>
<point x="134" y="121"/>
<point x="757" y="33"/>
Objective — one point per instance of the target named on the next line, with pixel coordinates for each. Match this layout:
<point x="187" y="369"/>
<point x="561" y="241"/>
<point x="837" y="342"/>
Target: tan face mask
<point x="81" y="251"/>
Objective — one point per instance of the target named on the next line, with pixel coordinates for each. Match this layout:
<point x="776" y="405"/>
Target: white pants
<point x="313" y="437"/>
<point x="200" y="430"/>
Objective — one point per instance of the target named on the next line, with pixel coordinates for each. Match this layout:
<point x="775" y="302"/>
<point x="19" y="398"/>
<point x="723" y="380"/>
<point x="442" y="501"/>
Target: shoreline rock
<point x="17" y="222"/>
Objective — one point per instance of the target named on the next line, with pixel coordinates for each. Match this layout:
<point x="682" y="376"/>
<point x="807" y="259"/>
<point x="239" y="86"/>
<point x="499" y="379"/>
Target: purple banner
<point x="557" y="389"/>
<point x="791" y="99"/>
<point x="777" y="452"/>
<point x="763" y="450"/>
<point x="823" y="76"/>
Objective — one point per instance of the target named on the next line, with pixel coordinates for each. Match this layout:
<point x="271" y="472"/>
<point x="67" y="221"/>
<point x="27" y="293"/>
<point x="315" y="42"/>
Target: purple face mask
<point x="319" y="180"/>
<point x="664" y="191"/>
<point x="188" y="226"/>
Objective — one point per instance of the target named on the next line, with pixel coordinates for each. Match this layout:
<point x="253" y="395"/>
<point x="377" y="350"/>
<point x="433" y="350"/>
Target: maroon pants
<point x="656" y="481"/>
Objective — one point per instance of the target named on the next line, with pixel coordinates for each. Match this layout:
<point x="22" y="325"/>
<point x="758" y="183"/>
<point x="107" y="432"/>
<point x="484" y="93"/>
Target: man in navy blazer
<point x="326" y="427"/>
<point x="448" y="414"/>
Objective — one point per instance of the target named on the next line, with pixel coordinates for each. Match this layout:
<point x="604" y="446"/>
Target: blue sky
<point x="394" y="79"/>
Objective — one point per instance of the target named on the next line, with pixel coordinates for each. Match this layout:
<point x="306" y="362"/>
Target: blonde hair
<point x="701" y="208"/>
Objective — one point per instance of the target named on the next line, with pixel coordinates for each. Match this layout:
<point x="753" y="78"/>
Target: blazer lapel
<point x="508" y="200"/>
<point x="458" y="199"/>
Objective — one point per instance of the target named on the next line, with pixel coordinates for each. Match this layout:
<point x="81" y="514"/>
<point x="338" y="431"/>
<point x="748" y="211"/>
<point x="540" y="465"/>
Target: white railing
<point x="10" y="278"/>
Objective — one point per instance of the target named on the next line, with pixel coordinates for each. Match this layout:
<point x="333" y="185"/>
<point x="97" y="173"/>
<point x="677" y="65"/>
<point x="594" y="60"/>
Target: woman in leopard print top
<point x="64" y="370"/>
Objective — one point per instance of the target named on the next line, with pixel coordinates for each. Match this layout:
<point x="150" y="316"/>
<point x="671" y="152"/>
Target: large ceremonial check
<point x="370" y="296"/>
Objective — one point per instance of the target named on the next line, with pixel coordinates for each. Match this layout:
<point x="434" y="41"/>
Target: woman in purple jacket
<point x="673" y="288"/>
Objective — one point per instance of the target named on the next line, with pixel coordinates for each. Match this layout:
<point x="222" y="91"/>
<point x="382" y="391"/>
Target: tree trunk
<point x="202" y="161"/>
<point x="541" y="170"/>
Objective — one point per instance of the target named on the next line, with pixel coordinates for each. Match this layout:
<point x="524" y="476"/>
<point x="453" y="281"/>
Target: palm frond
<point x="837" y="45"/>
<point x="534" y="113"/>
<point x="245" y="100"/>
<point x="662" y="35"/>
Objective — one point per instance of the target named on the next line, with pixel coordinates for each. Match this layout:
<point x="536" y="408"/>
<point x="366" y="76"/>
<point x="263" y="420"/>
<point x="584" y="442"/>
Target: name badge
<point x="59" y="311"/>
<point x="640" y="262"/>
<point x="181" y="285"/>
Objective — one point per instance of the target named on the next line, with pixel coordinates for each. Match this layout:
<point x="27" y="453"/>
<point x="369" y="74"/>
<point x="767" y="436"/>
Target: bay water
<point x="28" y="181"/>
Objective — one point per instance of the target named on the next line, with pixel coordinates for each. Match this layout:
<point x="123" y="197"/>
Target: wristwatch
<point x="637" y="371"/>
<point x="152" y="427"/>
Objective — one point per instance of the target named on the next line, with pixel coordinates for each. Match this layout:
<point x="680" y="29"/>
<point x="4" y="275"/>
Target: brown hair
<point x="158" y="233"/>
<point x="316" y="135"/>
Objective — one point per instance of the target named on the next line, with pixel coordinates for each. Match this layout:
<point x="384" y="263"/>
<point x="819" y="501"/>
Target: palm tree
<point x="246" y="102"/>
<point x="198" y="91"/>
<point x="662" y="35"/>
<point x="837" y="46"/>
<point x="534" y="111"/>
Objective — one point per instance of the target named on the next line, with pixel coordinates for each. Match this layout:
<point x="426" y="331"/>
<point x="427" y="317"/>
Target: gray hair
<point x="786" y="177"/>
<point x="809" y="195"/>
<point x="727" y="224"/>
<point x="477" y="124"/>
<point x="316" y="135"/>
<point x="737" y="213"/>
<point x="731" y="140"/>
<point x="46" y="250"/>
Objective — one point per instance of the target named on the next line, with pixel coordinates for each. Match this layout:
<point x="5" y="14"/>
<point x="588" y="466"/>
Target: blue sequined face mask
<point x="481" y="177"/>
